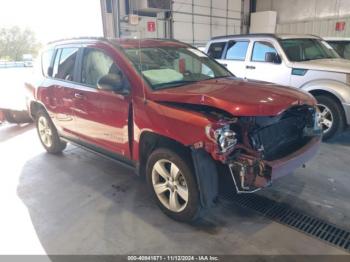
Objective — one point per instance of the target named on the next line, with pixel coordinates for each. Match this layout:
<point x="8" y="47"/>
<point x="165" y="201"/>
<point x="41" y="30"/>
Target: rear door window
<point x="237" y="50"/>
<point x="65" y="63"/>
<point x="216" y="50"/>
<point x="260" y="49"/>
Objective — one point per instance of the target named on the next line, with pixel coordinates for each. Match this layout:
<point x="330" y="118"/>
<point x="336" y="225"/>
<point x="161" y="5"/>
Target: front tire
<point x="48" y="134"/>
<point x="173" y="185"/>
<point x="331" y="116"/>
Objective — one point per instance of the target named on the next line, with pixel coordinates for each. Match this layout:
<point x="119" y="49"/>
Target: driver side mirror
<point x="112" y="82"/>
<point x="271" y="57"/>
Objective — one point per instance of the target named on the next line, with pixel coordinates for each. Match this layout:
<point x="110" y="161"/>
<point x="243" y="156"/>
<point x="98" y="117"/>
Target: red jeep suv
<point x="175" y="115"/>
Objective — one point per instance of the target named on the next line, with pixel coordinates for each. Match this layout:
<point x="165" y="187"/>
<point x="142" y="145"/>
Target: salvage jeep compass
<point x="175" y="115"/>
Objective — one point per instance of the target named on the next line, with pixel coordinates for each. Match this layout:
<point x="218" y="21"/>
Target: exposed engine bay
<point x="246" y="146"/>
<point x="263" y="140"/>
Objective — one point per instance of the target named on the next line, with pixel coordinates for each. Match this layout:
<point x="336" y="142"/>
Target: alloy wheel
<point x="170" y="185"/>
<point x="45" y="131"/>
<point x="326" y="118"/>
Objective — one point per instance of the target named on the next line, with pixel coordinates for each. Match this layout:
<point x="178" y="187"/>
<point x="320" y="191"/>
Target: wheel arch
<point x="149" y="141"/>
<point x="337" y="89"/>
<point x="35" y="107"/>
<point x="202" y="165"/>
<point x="318" y="92"/>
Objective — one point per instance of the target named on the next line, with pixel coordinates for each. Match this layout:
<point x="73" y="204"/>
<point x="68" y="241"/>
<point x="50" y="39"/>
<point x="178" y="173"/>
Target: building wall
<point x="317" y="17"/>
<point x="190" y="21"/>
<point x="196" y="21"/>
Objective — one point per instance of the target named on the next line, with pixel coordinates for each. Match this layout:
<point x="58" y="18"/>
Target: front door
<point x="257" y="68"/>
<point x="101" y="116"/>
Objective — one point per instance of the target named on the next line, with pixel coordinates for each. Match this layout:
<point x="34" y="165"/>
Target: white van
<point x="301" y="61"/>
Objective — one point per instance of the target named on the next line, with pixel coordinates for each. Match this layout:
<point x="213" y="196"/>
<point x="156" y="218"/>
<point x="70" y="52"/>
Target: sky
<point x="53" y="19"/>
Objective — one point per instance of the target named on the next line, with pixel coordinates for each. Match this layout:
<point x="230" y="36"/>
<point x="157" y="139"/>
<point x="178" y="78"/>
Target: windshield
<point x="342" y="48"/>
<point x="298" y="50"/>
<point x="166" y="67"/>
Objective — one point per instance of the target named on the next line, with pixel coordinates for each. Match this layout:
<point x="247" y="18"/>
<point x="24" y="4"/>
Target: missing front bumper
<point x="250" y="175"/>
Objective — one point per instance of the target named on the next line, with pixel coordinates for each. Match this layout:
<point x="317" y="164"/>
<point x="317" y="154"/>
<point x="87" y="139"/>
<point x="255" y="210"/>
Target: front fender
<point x="180" y="125"/>
<point x="338" y="89"/>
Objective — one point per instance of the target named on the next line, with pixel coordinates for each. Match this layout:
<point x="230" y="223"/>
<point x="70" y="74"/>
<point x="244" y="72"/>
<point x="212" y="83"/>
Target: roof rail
<point x="79" y="38"/>
<point x="245" y="35"/>
<point x="107" y="39"/>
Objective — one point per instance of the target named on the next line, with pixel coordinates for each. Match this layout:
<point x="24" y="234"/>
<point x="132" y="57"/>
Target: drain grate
<point x="284" y="214"/>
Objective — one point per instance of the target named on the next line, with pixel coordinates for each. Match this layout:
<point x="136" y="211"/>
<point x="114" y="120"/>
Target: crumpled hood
<point x="338" y="65"/>
<point x="236" y="96"/>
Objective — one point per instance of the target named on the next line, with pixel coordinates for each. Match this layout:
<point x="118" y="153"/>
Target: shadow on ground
<point x="81" y="203"/>
<point x="341" y="139"/>
<point x="8" y="131"/>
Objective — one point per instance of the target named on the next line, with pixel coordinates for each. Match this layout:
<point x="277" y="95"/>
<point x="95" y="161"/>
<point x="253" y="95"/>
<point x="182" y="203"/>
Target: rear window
<point x="216" y="49"/>
<point x="237" y="50"/>
<point x="46" y="59"/>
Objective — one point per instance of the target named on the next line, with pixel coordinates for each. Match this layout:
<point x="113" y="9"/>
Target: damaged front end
<point x="257" y="150"/>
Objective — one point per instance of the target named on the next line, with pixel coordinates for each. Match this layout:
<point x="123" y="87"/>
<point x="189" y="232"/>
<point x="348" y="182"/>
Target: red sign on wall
<point x="151" y="26"/>
<point x="340" y="26"/>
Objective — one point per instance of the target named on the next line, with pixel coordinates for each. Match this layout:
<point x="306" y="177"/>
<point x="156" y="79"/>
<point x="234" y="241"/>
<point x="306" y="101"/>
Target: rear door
<point x="257" y="68"/>
<point x="235" y="56"/>
<point x="101" y="116"/>
<point x="62" y="83"/>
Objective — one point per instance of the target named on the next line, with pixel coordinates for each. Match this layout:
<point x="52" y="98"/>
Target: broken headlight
<point x="222" y="135"/>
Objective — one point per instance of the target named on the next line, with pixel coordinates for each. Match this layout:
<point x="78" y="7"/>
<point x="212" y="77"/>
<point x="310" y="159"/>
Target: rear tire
<point x="331" y="115"/>
<point x="173" y="185"/>
<point x="48" y="134"/>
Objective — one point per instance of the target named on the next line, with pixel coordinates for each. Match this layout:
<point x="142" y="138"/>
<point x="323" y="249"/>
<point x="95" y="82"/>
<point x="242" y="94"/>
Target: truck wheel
<point x="331" y="116"/>
<point x="173" y="185"/>
<point x="9" y="116"/>
<point x="48" y="134"/>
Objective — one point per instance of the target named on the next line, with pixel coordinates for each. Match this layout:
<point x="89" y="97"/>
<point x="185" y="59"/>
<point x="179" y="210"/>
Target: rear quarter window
<point x="216" y="50"/>
<point x="46" y="59"/>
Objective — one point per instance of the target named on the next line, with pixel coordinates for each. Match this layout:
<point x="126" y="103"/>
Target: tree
<point x="15" y="42"/>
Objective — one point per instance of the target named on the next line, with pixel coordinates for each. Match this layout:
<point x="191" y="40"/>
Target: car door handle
<point x="79" y="96"/>
<point x="250" y="67"/>
<point x="225" y="65"/>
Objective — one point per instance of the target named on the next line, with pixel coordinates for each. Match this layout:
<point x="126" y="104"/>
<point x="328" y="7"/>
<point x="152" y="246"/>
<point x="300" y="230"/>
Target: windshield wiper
<point x="318" y="58"/>
<point x="174" y="84"/>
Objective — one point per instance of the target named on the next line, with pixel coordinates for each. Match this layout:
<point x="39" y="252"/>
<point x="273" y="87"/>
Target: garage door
<point x="196" y="21"/>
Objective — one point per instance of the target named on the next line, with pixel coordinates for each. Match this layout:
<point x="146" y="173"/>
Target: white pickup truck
<point x="341" y="45"/>
<point x="302" y="61"/>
